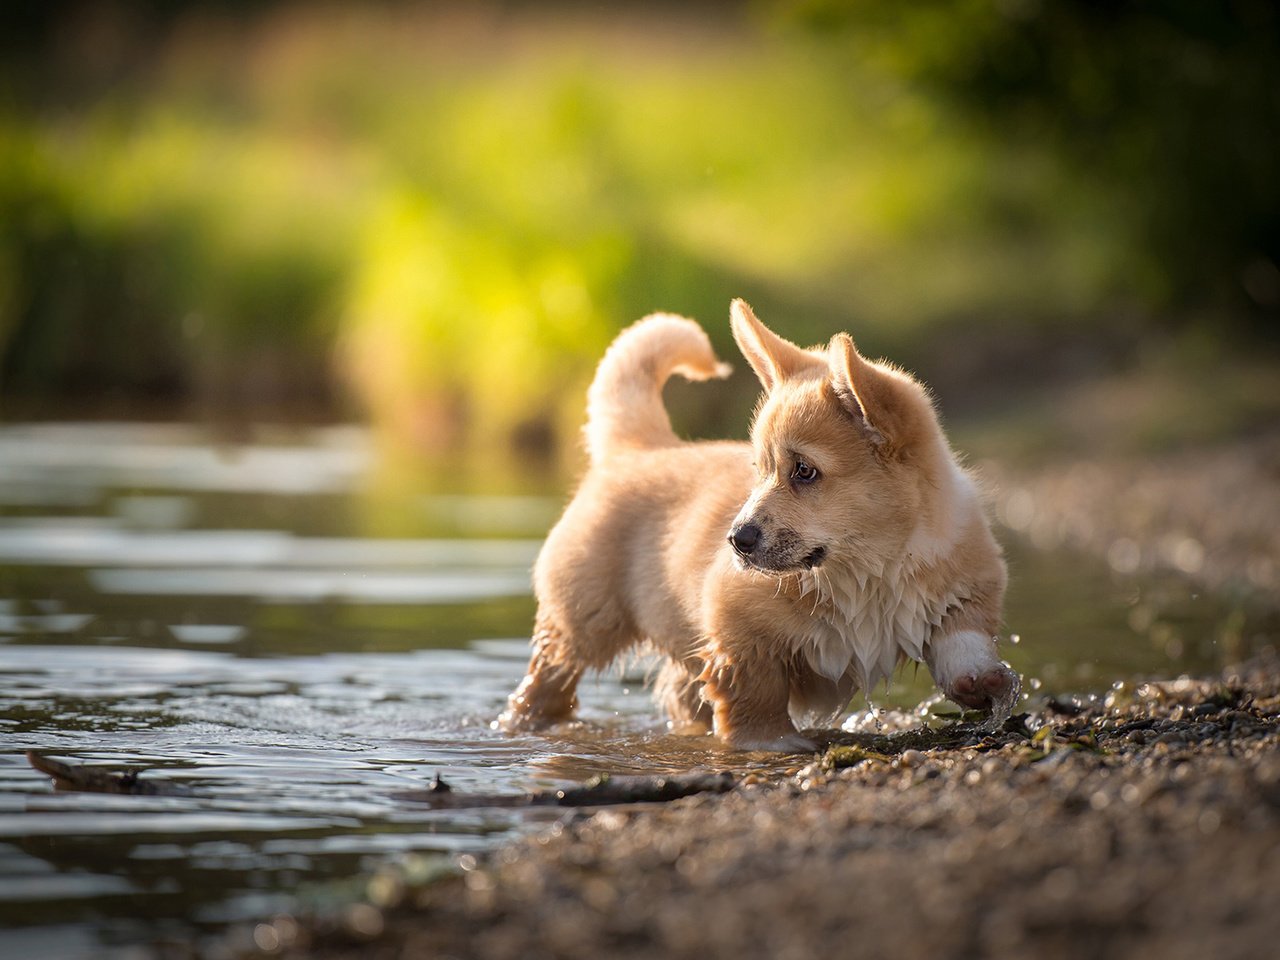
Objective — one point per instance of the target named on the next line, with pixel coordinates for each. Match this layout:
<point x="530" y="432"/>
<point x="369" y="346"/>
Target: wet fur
<point x="887" y="556"/>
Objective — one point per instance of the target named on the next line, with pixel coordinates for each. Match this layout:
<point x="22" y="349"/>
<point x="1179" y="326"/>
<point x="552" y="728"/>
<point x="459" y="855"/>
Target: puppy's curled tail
<point x="624" y="404"/>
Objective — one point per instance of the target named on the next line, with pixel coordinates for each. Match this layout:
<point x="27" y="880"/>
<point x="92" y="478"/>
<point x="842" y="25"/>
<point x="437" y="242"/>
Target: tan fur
<point x="886" y="555"/>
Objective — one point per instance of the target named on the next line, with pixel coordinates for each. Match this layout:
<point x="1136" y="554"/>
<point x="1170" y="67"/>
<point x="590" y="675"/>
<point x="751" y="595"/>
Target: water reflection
<point x="66" y="462"/>
<point x="91" y="542"/>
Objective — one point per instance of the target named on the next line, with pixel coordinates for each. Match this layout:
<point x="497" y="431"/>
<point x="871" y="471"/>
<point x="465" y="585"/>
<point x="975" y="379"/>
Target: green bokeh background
<point x="434" y="217"/>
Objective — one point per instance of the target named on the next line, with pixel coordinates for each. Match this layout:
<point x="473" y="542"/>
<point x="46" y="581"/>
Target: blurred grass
<point x="437" y="217"/>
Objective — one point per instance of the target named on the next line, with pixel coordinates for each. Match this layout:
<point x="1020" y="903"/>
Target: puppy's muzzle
<point x="744" y="538"/>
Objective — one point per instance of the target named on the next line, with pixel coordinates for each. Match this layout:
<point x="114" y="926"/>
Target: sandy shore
<point x="1145" y="824"/>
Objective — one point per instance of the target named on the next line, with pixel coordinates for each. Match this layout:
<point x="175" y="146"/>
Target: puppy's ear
<point x="772" y="358"/>
<point x="886" y="404"/>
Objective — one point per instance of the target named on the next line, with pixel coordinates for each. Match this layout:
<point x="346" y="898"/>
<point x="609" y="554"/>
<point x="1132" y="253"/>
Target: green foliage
<point x="1169" y="108"/>
<point x="451" y="220"/>
<point x="147" y="260"/>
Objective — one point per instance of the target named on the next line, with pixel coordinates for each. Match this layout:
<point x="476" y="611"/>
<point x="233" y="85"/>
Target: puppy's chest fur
<point x="863" y="622"/>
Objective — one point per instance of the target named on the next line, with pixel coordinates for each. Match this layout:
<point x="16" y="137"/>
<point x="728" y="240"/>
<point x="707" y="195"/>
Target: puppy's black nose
<point x="745" y="538"/>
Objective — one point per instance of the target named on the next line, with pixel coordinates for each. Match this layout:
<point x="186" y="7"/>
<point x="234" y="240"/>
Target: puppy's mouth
<point x="814" y="557"/>
<point x="765" y="564"/>
<point x="772" y="551"/>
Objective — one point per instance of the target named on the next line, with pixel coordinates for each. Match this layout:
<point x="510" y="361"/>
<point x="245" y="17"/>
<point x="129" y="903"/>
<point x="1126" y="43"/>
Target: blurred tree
<point x="1171" y="106"/>
<point x="442" y="212"/>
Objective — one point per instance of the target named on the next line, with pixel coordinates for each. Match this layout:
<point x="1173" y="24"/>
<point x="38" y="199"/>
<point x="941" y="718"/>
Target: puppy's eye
<point x="804" y="472"/>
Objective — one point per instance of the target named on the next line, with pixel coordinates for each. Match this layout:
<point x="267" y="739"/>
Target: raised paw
<point x="969" y="671"/>
<point x="982" y="690"/>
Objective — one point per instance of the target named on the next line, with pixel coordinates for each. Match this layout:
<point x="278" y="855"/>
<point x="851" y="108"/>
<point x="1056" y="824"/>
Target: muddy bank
<point x="1143" y="825"/>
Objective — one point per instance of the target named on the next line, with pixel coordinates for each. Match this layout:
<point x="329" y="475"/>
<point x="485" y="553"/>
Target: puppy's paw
<point x="966" y="667"/>
<point x="981" y="691"/>
<point x="512" y="720"/>
<point x="520" y="717"/>
<point x="542" y="699"/>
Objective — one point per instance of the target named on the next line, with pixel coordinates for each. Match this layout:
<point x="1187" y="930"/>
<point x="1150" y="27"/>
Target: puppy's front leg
<point x="548" y="693"/>
<point x="749" y="694"/>
<point x="969" y="671"/>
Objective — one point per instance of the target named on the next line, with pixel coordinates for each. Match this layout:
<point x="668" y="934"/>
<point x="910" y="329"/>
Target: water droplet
<point x="1015" y="638"/>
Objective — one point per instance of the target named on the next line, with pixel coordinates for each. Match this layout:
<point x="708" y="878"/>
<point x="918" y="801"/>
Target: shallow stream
<point x="269" y="624"/>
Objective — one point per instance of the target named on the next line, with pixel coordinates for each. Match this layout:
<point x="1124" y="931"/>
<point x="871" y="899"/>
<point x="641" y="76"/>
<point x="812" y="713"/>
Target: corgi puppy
<point x="777" y="576"/>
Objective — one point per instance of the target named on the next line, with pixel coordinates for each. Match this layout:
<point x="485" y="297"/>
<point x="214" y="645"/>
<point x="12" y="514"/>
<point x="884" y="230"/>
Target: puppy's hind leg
<point x="549" y="691"/>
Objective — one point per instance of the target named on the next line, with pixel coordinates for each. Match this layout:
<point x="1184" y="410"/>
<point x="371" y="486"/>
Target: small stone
<point x="911" y="758"/>
<point x="808" y="773"/>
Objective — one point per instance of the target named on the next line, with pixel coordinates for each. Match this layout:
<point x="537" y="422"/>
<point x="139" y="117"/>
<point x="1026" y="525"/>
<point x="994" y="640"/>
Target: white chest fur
<point x="865" y="619"/>
<point x="864" y="622"/>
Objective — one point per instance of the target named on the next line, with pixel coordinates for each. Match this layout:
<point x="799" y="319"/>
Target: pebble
<point x="912" y="758"/>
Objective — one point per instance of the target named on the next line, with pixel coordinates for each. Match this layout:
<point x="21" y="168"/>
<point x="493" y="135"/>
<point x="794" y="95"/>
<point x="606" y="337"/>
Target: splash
<point x="1002" y="706"/>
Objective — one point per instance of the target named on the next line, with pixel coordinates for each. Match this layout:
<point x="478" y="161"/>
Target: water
<point x="297" y="641"/>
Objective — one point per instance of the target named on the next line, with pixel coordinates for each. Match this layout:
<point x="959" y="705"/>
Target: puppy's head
<point x="846" y="451"/>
